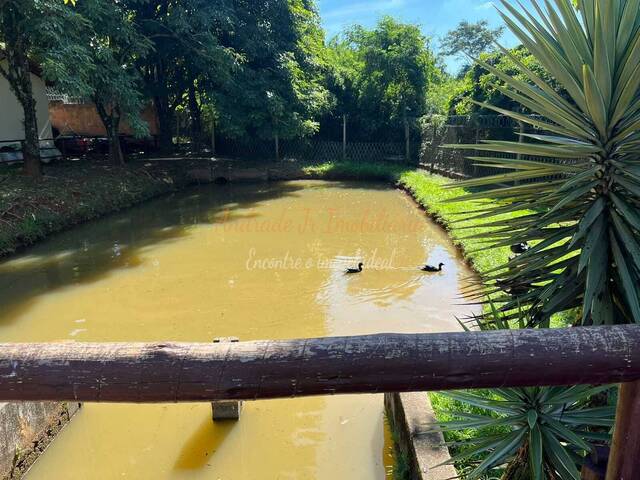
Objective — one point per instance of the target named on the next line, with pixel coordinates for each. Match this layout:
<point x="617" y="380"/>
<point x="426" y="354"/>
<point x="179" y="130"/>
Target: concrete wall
<point x="12" y="115"/>
<point x="83" y="120"/>
<point x="26" y="429"/>
<point x="411" y="417"/>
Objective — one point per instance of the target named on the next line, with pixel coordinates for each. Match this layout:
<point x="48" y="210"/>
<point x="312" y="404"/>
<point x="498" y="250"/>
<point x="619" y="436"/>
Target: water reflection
<point x="204" y="442"/>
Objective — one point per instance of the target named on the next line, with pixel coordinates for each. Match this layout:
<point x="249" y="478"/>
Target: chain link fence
<point x="314" y="150"/>
<point x="439" y="131"/>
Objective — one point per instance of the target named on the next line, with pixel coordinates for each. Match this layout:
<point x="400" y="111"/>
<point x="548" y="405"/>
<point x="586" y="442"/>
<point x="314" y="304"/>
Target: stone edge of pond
<point x="29" y="428"/>
<point x="411" y="417"/>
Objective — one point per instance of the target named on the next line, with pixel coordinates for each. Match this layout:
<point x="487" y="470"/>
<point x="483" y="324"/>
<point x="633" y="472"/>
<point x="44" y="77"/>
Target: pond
<point x="251" y="261"/>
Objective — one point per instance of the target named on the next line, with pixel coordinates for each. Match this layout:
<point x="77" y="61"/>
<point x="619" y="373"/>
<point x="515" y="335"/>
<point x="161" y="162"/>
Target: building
<point x="12" y="120"/>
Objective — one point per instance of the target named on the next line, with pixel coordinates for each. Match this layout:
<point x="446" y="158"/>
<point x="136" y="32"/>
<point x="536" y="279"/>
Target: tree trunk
<point x="164" y="110"/>
<point x="31" y="145"/>
<point x="115" y="146"/>
<point x="110" y="117"/>
<point x="165" y="125"/>
<point x="625" y="449"/>
<point x="213" y="137"/>
<point x="519" y="468"/>
<point x="188" y="372"/>
<point x="196" y="118"/>
<point x="18" y="74"/>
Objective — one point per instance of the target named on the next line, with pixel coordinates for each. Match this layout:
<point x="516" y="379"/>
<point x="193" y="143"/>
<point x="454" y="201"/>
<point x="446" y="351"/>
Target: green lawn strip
<point x="346" y="170"/>
<point x="432" y="193"/>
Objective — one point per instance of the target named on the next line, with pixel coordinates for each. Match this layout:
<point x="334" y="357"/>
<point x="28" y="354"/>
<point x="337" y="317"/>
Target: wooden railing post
<point x="226" y="409"/>
<point x="624" y="461"/>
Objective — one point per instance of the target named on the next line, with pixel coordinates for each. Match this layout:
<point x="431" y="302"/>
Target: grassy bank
<point x="385" y="172"/>
<point x="72" y="193"/>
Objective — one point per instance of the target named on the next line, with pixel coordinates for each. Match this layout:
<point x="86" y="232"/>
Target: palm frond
<point x="586" y="140"/>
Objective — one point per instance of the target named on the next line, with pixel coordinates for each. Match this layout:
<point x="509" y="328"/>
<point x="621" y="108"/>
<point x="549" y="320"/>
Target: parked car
<point x="73" y="145"/>
<point x="12" y="152"/>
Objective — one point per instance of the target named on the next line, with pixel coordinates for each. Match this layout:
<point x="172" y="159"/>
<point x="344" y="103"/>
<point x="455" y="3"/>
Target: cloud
<point x="358" y="8"/>
<point x="485" y="6"/>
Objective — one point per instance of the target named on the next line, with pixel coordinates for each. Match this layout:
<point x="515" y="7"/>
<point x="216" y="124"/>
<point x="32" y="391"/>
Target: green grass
<point x="433" y="193"/>
<point x="346" y="170"/>
<point x="402" y="463"/>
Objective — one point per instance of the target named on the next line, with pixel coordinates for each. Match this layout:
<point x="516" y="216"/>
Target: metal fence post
<point x="434" y="150"/>
<point x="407" y="139"/>
<point x="475" y="166"/>
<point x="344" y="137"/>
<point x="213" y="137"/>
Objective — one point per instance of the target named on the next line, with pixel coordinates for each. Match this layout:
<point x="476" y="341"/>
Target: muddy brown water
<point x="252" y="261"/>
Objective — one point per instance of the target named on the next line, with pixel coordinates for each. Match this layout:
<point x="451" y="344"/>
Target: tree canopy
<point x="381" y="75"/>
<point x="260" y="69"/>
<point x="481" y="86"/>
<point x="470" y="39"/>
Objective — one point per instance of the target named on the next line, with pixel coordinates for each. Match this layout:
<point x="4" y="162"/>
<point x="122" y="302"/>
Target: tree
<point x="470" y="38"/>
<point x="184" y="36"/>
<point x="388" y="70"/>
<point x="14" y="31"/>
<point x="479" y="85"/>
<point x="111" y="45"/>
<point x="278" y="87"/>
<point x="35" y="33"/>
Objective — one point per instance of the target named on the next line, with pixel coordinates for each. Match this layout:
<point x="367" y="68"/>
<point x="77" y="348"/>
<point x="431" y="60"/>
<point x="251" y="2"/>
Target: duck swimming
<point x="355" y="270"/>
<point x="429" y="268"/>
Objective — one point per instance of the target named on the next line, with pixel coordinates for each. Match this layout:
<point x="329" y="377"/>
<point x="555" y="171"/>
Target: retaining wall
<point x="412" y="419"/>
<point x="26" y="429"/>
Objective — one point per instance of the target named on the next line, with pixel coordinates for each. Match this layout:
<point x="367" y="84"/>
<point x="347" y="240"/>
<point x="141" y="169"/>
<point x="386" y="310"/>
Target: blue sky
<point x="436" y="17"/>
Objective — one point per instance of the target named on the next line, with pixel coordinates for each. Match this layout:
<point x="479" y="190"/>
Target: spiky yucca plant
<point x="586" y="220"/>
<point x="536" y="433"/>
<point x="548" y="431"/>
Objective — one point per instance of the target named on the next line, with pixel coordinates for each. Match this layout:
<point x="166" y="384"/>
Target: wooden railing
<point x="180" y="372"/>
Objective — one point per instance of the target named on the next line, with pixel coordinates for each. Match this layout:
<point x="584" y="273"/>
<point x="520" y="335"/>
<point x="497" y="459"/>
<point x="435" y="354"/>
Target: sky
<point x="436" y="17"/>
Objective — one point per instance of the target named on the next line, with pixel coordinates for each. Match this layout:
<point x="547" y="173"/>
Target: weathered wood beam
<point x="624" y="460"/>
<point x="174" y="372"/>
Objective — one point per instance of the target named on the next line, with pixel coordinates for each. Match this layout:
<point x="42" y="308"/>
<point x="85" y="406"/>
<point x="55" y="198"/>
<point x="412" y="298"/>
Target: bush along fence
<point x="315" y="150"/>
<point x="439" y="131"/>
<point x="430" y="152"/>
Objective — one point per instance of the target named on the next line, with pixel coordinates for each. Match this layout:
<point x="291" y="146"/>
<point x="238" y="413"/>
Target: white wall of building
<point x="12" y="116"/>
